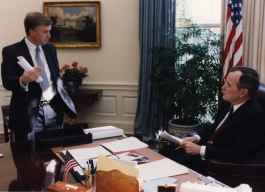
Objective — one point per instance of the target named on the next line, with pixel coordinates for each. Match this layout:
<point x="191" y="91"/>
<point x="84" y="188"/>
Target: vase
<point x="72" y="86"/>
<point x="181" y="130"/>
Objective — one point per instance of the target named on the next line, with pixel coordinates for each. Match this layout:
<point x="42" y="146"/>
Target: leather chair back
<point x="261" y="95"/>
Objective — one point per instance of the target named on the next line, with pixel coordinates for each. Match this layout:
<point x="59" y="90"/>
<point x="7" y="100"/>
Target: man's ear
<point x="31" y="32"/>
<point x="243" y="92"/>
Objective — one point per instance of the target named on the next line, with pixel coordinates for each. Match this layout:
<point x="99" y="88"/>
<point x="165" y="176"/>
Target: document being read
<point x="166" y="136"/>
<point x="24" y="64"/>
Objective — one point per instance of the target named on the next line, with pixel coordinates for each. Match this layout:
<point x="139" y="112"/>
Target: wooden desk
<point x="152" y="155"/>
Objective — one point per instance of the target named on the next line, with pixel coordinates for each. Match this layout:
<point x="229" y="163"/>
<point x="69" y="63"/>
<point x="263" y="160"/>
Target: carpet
<point x="7" y="167"/>
<point x="2" y="139"/>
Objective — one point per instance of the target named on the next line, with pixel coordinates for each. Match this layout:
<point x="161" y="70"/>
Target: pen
<point x="93" y="168"/>
<point x="113" y="154"/>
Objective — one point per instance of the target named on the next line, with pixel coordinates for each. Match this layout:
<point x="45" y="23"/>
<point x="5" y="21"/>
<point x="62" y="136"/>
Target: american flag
<point x="71" y="166"/>
<point x="233" y="46"/>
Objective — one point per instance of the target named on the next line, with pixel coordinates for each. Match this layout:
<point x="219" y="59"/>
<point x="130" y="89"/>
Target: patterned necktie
<point x="221" y="126"/>
<point x="45" y="83"/>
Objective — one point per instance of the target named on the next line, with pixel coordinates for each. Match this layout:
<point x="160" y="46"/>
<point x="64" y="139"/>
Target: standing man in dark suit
<point x="238" y="134"/>
<point x="35" y="104"/>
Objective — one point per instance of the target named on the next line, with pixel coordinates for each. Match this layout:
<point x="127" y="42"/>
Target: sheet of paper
<point x="82" y="155"/>
<point x="161" y="168"/>
<point x="22" y="62"/>
<point x="126" y="144"/>
<point x="108" y="164"/>
<point x="104" y="132"/>
<point x="198" y="187"/>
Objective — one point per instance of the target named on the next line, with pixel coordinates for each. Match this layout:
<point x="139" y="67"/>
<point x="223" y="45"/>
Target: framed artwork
<point x="74" y="24"/>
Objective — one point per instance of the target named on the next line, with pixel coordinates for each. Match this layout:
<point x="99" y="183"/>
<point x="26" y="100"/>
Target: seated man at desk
<point x="238" y="134"/>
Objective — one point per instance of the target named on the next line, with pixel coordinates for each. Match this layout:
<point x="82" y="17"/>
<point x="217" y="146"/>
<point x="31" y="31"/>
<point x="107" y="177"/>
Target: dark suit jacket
<point x="241" y="138"/>
<point x="22" y="103"/>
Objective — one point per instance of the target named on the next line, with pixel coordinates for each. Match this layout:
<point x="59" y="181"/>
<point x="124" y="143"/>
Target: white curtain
<point x="254" y="35"/>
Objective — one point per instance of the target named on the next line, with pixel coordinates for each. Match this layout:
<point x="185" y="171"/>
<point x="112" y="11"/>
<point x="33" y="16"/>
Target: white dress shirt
<point x="50" y="92"/>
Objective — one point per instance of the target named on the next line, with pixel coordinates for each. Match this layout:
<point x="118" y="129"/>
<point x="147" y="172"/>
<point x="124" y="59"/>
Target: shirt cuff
<point x="202" y="151"/>
<point x="23" y="85"/>
<point x="197" y="137"/>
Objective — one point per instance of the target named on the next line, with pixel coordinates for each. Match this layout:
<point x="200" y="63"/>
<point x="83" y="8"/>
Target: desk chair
<point x="233" y="173"/>
<point x="5" y="115"/>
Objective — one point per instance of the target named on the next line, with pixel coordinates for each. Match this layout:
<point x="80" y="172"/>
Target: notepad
<point x="82" y="155"/>
<point x="126" y="144"/>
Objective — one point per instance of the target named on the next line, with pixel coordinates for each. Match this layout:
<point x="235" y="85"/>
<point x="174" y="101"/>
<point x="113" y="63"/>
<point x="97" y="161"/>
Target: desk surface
<point x="152" y="155"/>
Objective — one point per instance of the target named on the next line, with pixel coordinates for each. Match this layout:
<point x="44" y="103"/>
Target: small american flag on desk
<point x="233" y="45"/>
<point x="71" y="166"/>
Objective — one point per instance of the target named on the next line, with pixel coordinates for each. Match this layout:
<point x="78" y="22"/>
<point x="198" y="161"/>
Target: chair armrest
<point x="242" y="170"/>
<point x="5" y="115"/>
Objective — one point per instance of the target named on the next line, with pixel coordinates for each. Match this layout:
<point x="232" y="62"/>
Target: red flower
<point x="74" y="64"/>
<point x="73" y="71"/>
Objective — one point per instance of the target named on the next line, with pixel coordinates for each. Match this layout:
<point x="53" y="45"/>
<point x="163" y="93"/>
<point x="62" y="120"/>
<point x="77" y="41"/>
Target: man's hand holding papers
<point x="166" y="136"/>
<point x="30" y="73"/>
<point x="187" y="143"/>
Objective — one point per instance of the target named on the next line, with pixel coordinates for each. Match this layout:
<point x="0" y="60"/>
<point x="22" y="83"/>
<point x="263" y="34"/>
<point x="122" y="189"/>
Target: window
<point x="198" y="29"/>
<point x="205" y="13"/>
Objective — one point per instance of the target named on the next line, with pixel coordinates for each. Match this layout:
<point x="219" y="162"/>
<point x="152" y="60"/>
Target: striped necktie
<point x="45" y="83"/>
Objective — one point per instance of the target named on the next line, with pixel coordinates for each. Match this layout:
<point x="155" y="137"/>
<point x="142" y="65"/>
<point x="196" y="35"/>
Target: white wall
<point x="113" y="68"/>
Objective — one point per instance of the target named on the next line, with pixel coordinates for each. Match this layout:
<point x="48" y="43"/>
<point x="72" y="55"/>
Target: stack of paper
<point x="104" y="132"/>
<point x="127" y="144"/>
<point x="161" y="168"/>
<point x="198" y="187"/>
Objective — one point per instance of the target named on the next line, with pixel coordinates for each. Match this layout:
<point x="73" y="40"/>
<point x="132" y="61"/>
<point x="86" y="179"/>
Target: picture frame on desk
<point x="75" y="24"/>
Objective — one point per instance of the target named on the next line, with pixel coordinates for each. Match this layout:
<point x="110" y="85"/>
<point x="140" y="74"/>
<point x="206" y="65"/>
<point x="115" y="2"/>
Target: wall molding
<point x="111" y="85"/>
<point x="116" y="107"/>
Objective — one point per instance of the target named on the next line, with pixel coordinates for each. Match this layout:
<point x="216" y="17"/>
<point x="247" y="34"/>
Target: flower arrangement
<point x="74" y="72"/>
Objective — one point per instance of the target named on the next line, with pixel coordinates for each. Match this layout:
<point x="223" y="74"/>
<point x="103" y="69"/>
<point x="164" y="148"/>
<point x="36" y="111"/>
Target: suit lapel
<point x="234" y="121"/>
<point x="25" y="52"/>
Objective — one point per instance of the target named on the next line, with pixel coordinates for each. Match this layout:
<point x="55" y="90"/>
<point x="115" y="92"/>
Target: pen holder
<point x="90" y="181"/>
